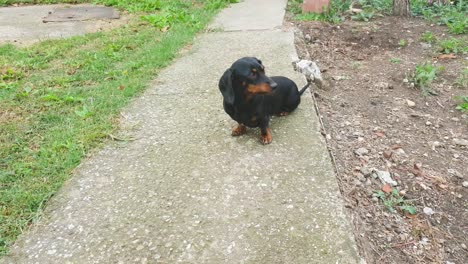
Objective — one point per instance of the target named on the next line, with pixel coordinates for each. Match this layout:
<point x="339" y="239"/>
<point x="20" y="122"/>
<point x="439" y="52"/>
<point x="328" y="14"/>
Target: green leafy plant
<point x="424" y="75"/>
<point x="294" y="6"/>
<point x="453" y="45"/>
<point x="384" y="6"/>
<point x="462" y="103"/>
<point x="393" y="201"/>
<point x="451" y="14"/>
<point x="428" y="37"/>
<point x="363" y="16"/>
<point x="402" y="42"/>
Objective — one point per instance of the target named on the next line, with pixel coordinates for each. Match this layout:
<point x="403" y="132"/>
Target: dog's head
<point x="245" y="78"/>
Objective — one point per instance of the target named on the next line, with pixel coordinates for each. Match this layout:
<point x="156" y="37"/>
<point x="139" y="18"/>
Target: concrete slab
<point x="81" y="13"/>
<point x="186" y="191"/>
<point x="23" y="25"/>
<point x="251" y="15"/>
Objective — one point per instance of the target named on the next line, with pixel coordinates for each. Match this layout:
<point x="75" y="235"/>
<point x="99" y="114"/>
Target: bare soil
<point x="364" y="105"/>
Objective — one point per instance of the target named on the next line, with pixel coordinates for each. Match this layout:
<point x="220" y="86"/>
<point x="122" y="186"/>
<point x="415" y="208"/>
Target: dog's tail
<point x="304" y="88"/>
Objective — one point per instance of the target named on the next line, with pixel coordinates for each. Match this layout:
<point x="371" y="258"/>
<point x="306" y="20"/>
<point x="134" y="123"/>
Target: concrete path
<point x="186" y="191"/>
<point x="25" y="24"/>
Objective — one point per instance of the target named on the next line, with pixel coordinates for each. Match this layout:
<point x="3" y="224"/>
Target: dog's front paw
<point x="239" y="130"/>
<point x="266" y="138"/>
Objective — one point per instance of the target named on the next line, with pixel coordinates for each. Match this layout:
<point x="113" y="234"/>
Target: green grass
<point x="59" y="99"/>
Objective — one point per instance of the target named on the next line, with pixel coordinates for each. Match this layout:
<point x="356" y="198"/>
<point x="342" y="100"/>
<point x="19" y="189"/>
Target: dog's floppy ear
<point x="225" y="86"/>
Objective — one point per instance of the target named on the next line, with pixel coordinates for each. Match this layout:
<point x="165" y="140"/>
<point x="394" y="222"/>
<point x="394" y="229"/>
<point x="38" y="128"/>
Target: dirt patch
<point x="376" y="122"/>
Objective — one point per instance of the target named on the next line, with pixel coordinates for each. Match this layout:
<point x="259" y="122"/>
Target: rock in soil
<point x="385" y="177"/>
<point x="361" y="151"/>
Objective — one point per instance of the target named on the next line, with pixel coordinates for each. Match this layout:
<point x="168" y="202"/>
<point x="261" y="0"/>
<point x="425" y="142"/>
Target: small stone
<point x="361" y="151"/>
<point x="308" y="38"/>
<point x="385" y="177"/>
<point x="400" y="151"/>
<point x="424" y="241"/>
<point x="456" y="156"/>
<point x="436" y="144"/>
<point x="455" y="173"/>
<point x="465" y="184"/>
<point x="375" y="199"/>
<point x="426" y="45"/>
<point x="463" y="245"/>
<point x="368" y="182"/>
<point x="339" y="78"/>
<point x="455" y="119"/>
<point x="387" y="154"/>
<point x="382" y="85"/>
<point x="428" y="123"/>
<point x="410" y="103"/>
<point x="428" y="211"/>
<point x="405" y="80"/>
<point x="460" y="142"/>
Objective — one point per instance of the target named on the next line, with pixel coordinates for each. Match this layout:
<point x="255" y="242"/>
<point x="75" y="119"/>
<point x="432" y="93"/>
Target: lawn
<point x="60" y="99"/>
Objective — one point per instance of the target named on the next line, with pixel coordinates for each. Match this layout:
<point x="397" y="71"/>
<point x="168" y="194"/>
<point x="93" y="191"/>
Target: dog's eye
<point x="253" y="74"/>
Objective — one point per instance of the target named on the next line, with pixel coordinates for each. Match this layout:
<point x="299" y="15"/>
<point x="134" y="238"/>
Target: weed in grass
<point x="462" y="103"/>
<point x="393" y="201"/>
<point x="428" y="37"/>
<point x="294" y="6"/>
<point x="218" y="4"/>
<point x="453" y="45"/>
<point x="424" y="75"/>
<point x="134" y="6"/>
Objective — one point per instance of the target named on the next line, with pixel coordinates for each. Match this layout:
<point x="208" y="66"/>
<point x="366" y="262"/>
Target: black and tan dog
<point x="251" y="97"/>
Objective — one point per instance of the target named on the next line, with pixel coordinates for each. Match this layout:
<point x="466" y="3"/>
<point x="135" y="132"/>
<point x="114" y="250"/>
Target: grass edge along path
<point x="59" y="99"/>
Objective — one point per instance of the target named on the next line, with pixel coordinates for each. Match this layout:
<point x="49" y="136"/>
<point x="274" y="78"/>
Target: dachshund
<point x="250" y="97"/>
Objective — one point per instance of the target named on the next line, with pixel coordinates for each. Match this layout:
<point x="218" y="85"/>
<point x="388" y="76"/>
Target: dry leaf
<point x="447" y="56"/>
<point x="387" y="188"/>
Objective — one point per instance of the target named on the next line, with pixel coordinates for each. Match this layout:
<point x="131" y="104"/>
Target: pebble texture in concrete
<point x="251" y="15"/>
<point x="186" y="191"/>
